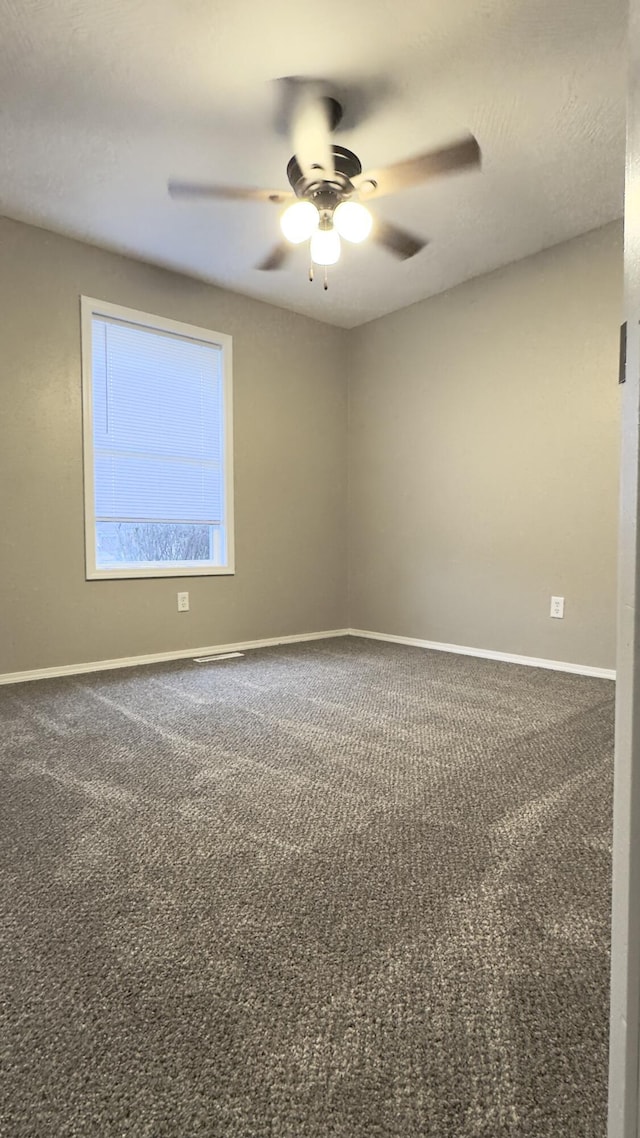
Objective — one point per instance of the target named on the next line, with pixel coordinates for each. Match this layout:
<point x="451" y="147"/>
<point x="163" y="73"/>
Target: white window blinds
<point x="158" y="425"/>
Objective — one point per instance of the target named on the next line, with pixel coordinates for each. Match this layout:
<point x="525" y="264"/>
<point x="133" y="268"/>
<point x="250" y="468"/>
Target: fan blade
<point x="402" y="175"/>
<point x="311" y="123"/>
<point x="228" y="193"/>
<point x="276" y="258"/>
<point x="398" y="241"/>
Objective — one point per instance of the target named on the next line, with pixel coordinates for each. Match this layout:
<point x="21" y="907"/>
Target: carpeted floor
<point x="338" y="890"/>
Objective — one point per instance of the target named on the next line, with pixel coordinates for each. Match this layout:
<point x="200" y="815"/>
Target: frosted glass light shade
<point x="299" y="221"/>
<point x="325" y="247"/>
<point x="353" y="221"/>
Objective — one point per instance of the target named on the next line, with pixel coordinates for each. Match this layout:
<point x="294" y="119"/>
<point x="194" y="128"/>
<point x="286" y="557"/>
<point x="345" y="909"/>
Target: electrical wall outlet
<point x="557" y="607"/>
<point x="183" y="602"/>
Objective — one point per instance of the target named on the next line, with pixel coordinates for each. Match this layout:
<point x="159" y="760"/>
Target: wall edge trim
<point x="162" y="657"/>
<point x="298" y="638"/>
<point x="489" y="654"/>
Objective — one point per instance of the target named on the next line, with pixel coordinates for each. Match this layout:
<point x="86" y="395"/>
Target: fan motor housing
<point x="326" y="192"/>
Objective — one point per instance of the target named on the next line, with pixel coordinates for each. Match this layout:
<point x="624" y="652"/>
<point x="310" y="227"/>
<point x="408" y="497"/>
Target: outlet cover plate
<point x="557" y="608"/>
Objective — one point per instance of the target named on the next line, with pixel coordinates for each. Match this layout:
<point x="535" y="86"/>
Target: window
<point x="157" y="445"/>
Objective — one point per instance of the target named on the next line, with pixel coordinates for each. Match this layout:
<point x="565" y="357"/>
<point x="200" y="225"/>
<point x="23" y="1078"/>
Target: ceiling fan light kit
<point x="326" y="181"/>
<point x="303" y="221"/>
<point x="325" y="247"/>
<point x="353" y="221"/>
<point x="299" y="221"/>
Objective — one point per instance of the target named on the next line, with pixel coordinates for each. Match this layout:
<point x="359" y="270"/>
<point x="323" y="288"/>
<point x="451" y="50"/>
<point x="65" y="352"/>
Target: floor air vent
<point x="214" y="659"/>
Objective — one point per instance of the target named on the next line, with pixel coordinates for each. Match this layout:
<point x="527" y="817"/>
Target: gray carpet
<point x="341" y="889"/>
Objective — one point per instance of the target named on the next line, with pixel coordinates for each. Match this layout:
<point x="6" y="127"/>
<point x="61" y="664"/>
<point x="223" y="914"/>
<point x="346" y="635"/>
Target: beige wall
<point x="290" y="467"/>
<point x="483" y="442"/>
<point x="483" y="461"/>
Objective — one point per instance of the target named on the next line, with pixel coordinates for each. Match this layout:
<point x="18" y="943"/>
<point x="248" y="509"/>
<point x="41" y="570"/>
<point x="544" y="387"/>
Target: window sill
<point x="170" y="571"/>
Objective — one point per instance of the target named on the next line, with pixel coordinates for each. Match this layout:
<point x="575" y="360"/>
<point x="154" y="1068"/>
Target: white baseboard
<point x="488" y="654"/>
<point x="161" y="657"/>
<point x="247" y="645"/>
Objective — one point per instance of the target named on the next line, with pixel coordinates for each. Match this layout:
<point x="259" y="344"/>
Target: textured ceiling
<point x="101" y="101"/>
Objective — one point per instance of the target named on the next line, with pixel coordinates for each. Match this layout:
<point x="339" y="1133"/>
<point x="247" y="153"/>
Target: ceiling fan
<point x="328" y="187"/>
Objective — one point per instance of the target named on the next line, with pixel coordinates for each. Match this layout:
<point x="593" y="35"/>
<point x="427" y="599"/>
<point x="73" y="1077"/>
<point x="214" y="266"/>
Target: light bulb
<point x="325" y="247"/>
<point x="299" y="221"/>
<point x="353" y="221"/>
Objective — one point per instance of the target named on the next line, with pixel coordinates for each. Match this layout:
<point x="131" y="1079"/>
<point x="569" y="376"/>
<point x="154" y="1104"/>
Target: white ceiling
<point x="101" y="101"/>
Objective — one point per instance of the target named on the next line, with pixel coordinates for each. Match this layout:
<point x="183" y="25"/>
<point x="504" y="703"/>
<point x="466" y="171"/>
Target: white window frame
<point x="90" y="307"/>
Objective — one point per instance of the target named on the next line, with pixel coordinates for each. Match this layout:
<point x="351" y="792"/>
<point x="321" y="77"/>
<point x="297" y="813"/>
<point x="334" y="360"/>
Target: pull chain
<point x="326" y="275"/>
